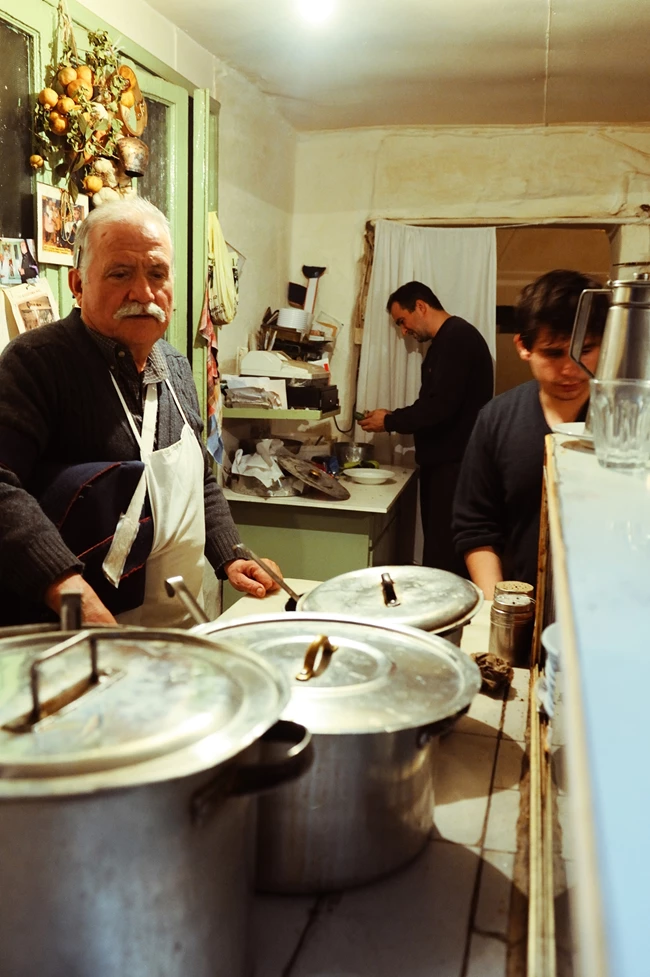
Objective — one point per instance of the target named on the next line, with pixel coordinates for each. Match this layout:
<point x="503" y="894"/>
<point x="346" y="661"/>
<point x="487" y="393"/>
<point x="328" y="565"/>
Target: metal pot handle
<point x="388" y="591"/>
<point x="323" y="644"/>
<point x="244" y="779"/>
<point x="176" y="587"/>
<point x="425" y="734"/>
<point x="583" y="314"/>
<point x="39" y="710"/>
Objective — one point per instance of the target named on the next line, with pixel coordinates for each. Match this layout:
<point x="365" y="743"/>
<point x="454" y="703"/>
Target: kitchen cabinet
<point x="593" y="791"/>
<point x="314" y="537"/>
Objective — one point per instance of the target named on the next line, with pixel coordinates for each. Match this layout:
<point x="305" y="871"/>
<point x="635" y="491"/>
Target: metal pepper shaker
<point x="512" y="617"/>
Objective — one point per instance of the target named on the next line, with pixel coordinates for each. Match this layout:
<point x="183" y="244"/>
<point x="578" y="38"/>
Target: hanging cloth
<point x="215" y="400"/>
<point x="222" y="288"/>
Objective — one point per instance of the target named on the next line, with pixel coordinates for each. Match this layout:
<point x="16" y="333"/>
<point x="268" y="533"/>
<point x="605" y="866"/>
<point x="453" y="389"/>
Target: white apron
<point x="173" y="477"/>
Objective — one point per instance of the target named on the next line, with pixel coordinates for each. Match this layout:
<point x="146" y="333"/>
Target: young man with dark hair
<point x="497" y="504"/>
<point x="457" y="380"/>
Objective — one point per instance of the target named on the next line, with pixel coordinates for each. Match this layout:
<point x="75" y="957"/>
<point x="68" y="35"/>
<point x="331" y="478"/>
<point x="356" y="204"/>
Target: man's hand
<point x="248" y="576"/>
<point x="92" y="609"/>
<point x="374" y="420"/>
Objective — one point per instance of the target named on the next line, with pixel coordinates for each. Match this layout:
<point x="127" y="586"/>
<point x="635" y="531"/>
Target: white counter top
<point x="601" y="565"/>
<point x="363" y="498"/>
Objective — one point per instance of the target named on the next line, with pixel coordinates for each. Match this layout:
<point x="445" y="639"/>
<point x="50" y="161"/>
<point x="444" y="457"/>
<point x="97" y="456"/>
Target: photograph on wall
<point x="32" y="304"/>
<point x="56" y="230"/>
<point x="17" y="261"/>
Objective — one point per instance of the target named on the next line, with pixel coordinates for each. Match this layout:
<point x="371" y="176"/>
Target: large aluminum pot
<point x="420" y="597"/>
<point x="376" y="698"/>
<point x="125" y="801"/>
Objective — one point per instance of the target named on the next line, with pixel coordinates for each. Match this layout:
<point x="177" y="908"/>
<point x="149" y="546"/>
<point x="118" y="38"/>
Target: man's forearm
<point x="485" y="569"/>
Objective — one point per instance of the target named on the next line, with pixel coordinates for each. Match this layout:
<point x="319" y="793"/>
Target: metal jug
<point x="625" y="350"/>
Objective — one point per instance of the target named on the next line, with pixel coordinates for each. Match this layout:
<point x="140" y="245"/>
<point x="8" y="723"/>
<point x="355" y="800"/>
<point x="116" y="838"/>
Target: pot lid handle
<point x="323" y="644"/>
<point x="388" y="589"/>
<point x="70" y="612"/>
<point x="176" y="587"/>
<point x="39" y="710"/>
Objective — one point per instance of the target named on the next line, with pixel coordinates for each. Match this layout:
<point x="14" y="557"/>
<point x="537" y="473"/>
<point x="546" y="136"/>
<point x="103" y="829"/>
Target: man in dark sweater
<point x="91" y="395"/>
<point x="497" y="505"/>
<point x="457" y="380"/>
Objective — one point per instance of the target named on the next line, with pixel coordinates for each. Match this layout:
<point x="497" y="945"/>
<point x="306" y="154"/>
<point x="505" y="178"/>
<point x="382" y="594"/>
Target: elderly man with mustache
<point x="105" y="486"/>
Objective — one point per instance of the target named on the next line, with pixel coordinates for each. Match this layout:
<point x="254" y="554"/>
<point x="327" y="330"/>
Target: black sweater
<point x="58" y="405"/>
<point x="499" y="490"/>
<point x="457" y="380"/>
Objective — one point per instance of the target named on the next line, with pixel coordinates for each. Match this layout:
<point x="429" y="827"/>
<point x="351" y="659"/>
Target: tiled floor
<point x="445" y="915"/>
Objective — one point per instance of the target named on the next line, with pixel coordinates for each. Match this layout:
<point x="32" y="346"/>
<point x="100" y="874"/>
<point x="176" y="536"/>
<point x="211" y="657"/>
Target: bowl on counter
<point x="368" y="476"/>
<point x="352" y="452"/>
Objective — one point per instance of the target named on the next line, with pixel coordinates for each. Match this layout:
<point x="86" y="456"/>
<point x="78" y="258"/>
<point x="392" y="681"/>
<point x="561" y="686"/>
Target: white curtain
<point x="459" y="265"/>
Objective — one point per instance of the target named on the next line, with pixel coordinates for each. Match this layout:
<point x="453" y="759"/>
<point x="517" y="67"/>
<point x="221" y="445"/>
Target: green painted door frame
<point x="192" y="165"/>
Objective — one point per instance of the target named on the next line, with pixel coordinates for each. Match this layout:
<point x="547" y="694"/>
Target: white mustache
<point x="137" y="308"/>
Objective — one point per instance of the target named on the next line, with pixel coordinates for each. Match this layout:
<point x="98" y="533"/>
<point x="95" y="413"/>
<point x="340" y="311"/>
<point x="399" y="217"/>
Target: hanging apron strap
<point x="129" y="522"/>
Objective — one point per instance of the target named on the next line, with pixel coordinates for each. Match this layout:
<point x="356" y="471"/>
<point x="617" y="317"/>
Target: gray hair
<point x="134" y="210"/>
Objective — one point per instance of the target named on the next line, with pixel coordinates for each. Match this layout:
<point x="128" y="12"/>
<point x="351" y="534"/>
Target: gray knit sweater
<point x="58" y="405"/>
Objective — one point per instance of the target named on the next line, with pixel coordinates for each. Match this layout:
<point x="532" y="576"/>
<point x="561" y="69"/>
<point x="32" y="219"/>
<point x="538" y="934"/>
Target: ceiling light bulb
<point x="316" y="11"/>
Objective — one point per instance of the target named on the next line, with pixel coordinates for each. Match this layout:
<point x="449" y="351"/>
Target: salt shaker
<point x="514" y="587"/>
<point x="512" y="617"/>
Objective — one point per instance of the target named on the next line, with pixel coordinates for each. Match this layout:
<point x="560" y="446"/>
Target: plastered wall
<point x="256" y="163"/>
<point x="345" y="178"/>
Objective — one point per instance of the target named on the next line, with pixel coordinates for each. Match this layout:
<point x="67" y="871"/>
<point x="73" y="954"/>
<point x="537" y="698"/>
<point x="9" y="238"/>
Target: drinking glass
<point x="619" y="411"/>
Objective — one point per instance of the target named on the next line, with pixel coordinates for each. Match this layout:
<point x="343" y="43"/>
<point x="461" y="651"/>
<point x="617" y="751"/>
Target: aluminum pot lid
<point x="102" y="700"/>
<point x="421" y="597"/>
<point x="366" y="677"/>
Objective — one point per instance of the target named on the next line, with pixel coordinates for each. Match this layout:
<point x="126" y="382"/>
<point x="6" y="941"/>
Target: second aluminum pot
<point x="421" y="597"/>
<point x="375" y="699"/>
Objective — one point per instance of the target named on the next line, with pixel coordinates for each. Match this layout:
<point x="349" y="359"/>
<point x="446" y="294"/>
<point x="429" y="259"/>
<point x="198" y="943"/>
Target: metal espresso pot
<point x="625" y="351"/>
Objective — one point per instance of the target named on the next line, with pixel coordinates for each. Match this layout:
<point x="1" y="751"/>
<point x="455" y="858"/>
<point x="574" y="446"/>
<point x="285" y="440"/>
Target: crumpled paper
<point x="496" y="674"/>
<point x="261" y="465"/>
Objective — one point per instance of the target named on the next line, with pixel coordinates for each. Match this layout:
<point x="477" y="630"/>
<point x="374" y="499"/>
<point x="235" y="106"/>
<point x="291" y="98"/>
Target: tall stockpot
<point x="376" y="699"/>
<point x="420" y="597"/>
<point x="128" y="764"/>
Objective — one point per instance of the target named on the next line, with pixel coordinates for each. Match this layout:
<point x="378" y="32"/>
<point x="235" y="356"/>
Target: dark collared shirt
<point x="131" y="383"/>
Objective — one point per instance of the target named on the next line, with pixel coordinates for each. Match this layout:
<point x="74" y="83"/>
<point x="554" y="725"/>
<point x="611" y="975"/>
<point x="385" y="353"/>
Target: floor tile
<point x="514" y="724"/>
<point x="413" y="924"/>
<point x="463" y="776"/>
<point x="501" y="834"/>
<point x="484" y="717"/>
<point x="277" y="925"/>
<point x="493" y="907"/>
<point x="488" y="957"/>
<point x="510" y="758"/>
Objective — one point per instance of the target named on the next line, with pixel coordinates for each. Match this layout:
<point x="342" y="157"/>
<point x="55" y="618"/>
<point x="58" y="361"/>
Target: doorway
<point x="525" y="253"/>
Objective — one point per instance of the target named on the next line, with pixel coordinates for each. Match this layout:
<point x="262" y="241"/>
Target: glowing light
<point x="316" y="11"/>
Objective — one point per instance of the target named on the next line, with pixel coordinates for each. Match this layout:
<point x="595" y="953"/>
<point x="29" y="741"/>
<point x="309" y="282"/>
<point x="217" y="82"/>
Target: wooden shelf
<point x="273" y="414"/>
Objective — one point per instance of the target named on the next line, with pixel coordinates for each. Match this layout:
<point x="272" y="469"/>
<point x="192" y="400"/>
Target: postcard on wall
<point x="32" y="305"/>
<point x="56" y="230"/>
<point x="17" y="261"/>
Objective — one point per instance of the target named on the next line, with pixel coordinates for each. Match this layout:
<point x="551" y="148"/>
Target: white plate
<point x="574" y="428"/>
<point x="368" y="476"/>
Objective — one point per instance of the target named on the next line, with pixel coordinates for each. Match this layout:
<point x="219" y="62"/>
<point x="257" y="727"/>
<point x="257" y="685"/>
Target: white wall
<point x="256" y="163"/>
<point x="346" y="178"/>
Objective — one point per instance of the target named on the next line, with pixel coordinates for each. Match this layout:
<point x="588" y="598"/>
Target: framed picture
<point x="17" y="261"/>
<point x="56" y="235"/>
<point x="32" y="305"/>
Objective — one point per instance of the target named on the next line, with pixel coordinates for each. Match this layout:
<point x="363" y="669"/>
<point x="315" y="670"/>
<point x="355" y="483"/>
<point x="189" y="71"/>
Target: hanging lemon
<point x="48" y="97"/>
<point x="66" y="75"/>
<point x="80" y="86"/>
<point x="85" y="72"/>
